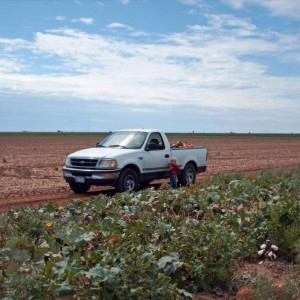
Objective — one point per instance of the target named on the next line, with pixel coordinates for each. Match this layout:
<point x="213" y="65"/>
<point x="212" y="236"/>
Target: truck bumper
<point x="92" y="177"/>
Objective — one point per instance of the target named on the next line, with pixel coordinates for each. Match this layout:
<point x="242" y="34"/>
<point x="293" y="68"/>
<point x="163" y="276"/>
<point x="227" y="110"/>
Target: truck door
<point x="157" y="156"/>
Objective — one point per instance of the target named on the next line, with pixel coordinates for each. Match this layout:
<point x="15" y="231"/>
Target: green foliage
<point x="152" y="244"/>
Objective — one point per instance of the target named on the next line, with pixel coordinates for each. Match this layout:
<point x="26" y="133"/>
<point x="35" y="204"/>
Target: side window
<point x="156" y="141"/>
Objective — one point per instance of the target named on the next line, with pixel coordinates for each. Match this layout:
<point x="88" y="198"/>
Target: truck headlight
<point x="108" y="163"/>
<point x="68" y="161"/>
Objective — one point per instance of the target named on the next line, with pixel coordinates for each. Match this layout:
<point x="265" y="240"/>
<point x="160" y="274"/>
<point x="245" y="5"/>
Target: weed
<point x="265" y="287"/>
<point x="288" y="238"/>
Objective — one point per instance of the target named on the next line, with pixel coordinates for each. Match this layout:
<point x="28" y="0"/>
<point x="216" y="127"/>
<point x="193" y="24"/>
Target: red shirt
<point x="174" y="168"/>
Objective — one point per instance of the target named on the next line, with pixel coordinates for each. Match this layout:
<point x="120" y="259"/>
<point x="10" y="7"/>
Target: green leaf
<point x="213" y="196"/>
<point x="103" y="273"/>
<point x="65" y="290"/>
<point x="87" y="237"/>
<point x="185" y="293"/>
<point x="21" y="255"/>
<point x="170" y="263"/>
<point x="235" y="184"/>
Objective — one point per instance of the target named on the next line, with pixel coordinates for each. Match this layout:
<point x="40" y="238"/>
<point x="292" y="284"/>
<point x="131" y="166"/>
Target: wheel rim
<point x="189" y="176"/>
<point x="129" y="183"/>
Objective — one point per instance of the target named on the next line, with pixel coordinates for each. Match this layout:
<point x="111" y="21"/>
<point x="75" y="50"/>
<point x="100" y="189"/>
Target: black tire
<point x="188" y="175"/>
<point x="127" y="181"/>
<point x="79" y="188"/>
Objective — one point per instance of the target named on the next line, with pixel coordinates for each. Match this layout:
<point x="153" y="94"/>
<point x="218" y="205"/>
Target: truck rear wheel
<point x="79" y="188"/>
<point x="128" y="181"/>
<point x="188" y="175"/>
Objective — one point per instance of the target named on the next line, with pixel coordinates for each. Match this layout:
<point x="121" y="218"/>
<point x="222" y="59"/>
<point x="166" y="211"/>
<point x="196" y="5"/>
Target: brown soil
<point x="30" y="165"/>
<point x="30" y="172"/>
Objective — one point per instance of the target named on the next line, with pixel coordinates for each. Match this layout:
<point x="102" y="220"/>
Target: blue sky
<point x="177" y="65"/>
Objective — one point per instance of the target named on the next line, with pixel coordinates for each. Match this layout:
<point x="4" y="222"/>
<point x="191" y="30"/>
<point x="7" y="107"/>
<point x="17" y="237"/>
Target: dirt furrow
<point x="30" y="165"/>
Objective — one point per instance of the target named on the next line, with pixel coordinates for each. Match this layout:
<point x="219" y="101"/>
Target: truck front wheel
<point x="188" y="175"/>
<point x="79" y="188"/>
<point x="128" y="181"/>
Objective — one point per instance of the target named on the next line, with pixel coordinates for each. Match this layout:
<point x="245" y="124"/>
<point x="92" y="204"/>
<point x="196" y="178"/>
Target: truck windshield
<point x="124" y="140"/>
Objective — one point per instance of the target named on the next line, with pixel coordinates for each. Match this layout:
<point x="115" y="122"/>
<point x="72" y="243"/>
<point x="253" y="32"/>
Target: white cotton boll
<point x="272" y="255"/>
<point x="274" y="248"/>
<point x="263" y="246"/>
<point x="261" y="252"/>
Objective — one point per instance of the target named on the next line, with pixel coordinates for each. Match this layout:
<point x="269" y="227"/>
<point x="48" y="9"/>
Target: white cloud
<point x="10" y="66"/>
<point x="60" y="18"/>
<point x="284" y="8"/>
<point x="223" y="20"/>
<point x="87" y="21"/>
<point x="117" y="25"/>
<point x="290" y="8"/>
<point x="202" y="67"/>
<point x="8" y="45"/>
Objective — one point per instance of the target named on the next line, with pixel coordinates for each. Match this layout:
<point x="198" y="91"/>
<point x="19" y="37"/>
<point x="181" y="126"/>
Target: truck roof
<point x="141" y="129"/>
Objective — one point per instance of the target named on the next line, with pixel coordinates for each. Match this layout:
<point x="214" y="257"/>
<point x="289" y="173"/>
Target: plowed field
<point x="30" y="164"/>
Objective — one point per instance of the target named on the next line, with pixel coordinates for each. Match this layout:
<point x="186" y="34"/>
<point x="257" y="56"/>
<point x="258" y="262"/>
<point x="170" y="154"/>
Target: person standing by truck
<point x="174" y="170"/>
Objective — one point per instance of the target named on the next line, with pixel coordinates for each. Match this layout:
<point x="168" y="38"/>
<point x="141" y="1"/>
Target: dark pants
<point x="173" y="181"/>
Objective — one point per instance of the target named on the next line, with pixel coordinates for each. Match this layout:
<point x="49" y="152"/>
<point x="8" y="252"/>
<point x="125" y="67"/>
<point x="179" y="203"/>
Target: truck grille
<point x="83" y="162"/>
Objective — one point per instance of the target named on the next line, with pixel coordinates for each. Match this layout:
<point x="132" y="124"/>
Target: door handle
<point x="167" y="155"/>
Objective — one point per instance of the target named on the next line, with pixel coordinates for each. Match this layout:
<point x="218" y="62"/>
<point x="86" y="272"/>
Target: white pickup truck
<point x="126" y="159"/>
